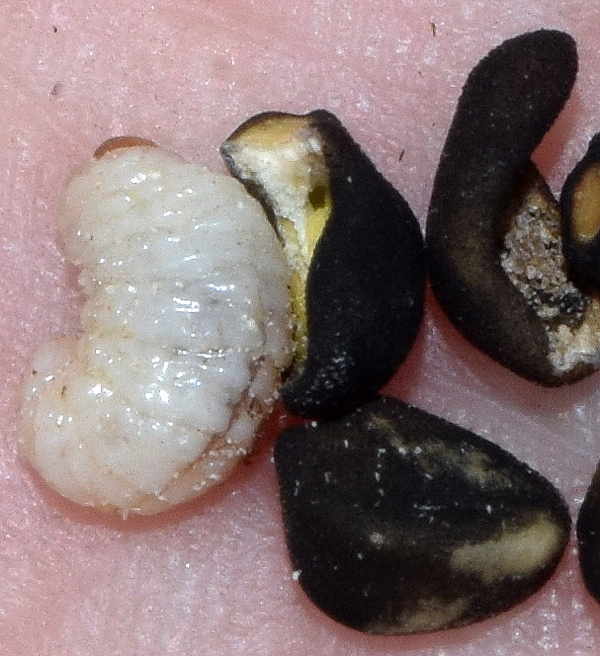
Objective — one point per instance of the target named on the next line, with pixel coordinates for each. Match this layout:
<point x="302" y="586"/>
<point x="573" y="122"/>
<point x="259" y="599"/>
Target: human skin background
<point x="213" y="578"/>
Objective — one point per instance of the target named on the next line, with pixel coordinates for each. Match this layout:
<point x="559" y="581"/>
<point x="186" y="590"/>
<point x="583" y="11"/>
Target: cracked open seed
<point x="494" y="243"/>
<point x="355" y="249"/>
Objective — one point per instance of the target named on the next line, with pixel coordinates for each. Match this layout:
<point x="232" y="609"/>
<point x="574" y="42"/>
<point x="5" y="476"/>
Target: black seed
<point x="359" y="275"/>
<point x="580" y="205"/>
<point x="493" y="231"/>
<point x="588" y="537"/>
<point x="400" y="522"/>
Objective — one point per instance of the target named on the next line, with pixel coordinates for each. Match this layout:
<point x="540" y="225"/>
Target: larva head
<point x="116" y="143"/>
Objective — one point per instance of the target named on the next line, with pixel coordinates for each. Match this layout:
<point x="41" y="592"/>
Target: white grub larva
<point x="185" y="331"/>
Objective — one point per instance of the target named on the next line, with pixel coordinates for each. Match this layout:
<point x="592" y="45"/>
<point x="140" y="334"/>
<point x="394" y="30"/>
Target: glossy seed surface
<point x="400" y="522"/>
<point x="355" y="248"/>
<point x="493" y="233"/>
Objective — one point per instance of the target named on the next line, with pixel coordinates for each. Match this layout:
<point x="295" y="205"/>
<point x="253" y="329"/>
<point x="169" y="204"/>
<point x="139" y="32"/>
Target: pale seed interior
<point x="517" y="553"/>
<point x="533" y="261"/>
<point x="283" y="156"/>
<point x="586" y="205"/>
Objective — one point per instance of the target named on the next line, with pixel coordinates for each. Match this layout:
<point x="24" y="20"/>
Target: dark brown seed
<point x="493" y="233"/>
<point x="580" y="205"/>
<point x="400" y="522"/>
<point x="355" y="249"/>
<point x="588" y="537"/>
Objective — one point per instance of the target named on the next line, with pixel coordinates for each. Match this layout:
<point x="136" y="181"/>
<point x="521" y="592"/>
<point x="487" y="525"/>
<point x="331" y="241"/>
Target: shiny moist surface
<point x="185" y="332"/>
<point x="213" y="577"/>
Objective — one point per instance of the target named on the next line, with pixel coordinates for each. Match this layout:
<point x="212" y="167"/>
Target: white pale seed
<point x="186" y="330"/>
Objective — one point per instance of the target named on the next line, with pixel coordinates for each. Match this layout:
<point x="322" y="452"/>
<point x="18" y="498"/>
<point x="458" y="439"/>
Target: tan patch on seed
<point x="379" y="422"/>
<point x="585" y="216"/>
<point x="514" y="553"/>
<point x="433" y="456"/>
<point x="431" y="615"/>
<point x="478" y="468"/>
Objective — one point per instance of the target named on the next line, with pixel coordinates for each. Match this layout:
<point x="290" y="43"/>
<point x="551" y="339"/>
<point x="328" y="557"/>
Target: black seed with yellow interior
<point x="580" y="205"/>
<point x="355" y="249"/>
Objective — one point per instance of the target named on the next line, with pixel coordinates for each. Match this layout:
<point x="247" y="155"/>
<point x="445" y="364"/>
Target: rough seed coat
<point x="510" y="100"/>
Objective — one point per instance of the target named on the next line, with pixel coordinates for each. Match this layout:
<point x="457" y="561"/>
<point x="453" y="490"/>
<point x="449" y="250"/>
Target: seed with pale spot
<point x="454" y="530"/>
<point x="580" y="205"/>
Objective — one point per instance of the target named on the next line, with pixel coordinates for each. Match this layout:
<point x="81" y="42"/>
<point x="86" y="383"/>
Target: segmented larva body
<point x="186" y="330"/>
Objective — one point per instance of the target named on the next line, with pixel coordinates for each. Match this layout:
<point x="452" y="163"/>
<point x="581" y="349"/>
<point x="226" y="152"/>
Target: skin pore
<point x="213" y="577"/>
